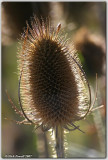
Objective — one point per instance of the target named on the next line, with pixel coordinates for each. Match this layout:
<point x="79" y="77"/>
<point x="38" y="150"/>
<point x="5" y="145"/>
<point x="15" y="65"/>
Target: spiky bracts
<point x="52" y="82"/>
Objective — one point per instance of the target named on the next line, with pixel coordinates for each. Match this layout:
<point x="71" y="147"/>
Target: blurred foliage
<point x="22" y="140"/>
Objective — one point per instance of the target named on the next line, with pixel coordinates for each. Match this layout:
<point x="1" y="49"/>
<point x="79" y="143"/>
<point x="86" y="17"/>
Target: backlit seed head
<point x="53" y="87"/>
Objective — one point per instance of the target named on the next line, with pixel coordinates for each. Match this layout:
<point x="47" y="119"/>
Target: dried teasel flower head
<point x="52" y="86"/>
<point x="92" y="48"/>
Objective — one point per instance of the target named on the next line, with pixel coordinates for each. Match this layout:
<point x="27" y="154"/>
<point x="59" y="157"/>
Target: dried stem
<point x="59" y="132"/>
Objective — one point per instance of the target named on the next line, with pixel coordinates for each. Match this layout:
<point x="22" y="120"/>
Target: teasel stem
<point x="59" y="137"/>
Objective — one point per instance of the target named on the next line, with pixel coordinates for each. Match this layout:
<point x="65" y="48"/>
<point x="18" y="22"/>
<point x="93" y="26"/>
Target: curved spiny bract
<point x="53" y="86"/>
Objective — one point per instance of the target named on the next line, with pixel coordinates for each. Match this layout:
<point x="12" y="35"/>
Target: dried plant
<point x="92" y="48"/>
<point x="53" y="88"/>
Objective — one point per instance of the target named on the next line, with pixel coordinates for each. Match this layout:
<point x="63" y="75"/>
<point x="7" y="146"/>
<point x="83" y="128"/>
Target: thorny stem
<point x="59" y="141"/>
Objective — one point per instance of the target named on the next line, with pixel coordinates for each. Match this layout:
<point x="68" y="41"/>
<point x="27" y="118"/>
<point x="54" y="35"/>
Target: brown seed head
<point x="92" y="48"/>
<point x="53" y="87"/>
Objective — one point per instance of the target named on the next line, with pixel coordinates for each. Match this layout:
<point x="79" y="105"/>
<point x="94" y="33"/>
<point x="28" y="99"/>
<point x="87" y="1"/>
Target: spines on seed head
<point x="53" y="86"/>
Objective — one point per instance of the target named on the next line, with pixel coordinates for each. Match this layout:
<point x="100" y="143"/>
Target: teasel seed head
<point x="52" y="83"/>
<point x="92" y="48"/>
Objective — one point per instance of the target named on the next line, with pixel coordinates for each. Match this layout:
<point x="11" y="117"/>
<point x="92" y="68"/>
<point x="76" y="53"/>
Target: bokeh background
<point x="85" y="23"/>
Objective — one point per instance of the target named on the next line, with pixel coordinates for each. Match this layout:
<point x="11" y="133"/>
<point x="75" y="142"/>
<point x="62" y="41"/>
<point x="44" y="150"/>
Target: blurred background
<point x="85" y="23"/>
